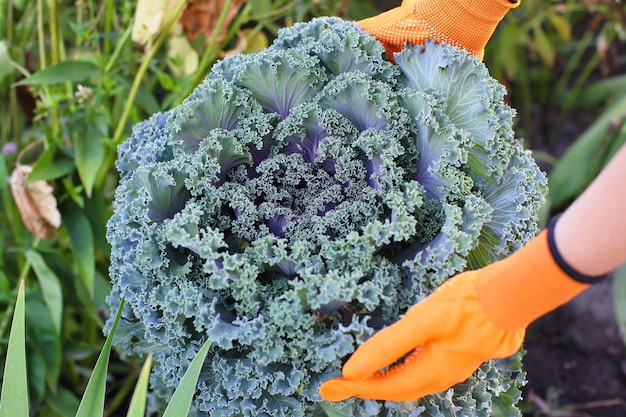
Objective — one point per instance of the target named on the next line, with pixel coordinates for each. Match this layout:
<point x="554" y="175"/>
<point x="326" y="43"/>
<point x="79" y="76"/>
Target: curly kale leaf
<point x="301" y="199"/>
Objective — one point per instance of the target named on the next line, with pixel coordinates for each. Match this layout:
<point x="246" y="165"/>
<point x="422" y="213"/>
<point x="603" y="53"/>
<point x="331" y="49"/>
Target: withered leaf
<point x="201" y="17"/>
<point x="36" y="203"/>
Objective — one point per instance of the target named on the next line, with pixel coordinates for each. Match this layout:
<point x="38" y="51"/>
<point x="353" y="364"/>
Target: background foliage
<point x="75" y="77"/>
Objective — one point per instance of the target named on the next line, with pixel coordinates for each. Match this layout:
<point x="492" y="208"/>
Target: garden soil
<point x="576" y="359"/>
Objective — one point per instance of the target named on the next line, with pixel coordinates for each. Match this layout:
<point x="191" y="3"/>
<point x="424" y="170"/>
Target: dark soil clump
<point x="576" y="360"/>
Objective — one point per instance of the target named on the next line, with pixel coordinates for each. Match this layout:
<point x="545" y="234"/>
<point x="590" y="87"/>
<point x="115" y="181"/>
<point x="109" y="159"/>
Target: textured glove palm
<point x="475" y="316"/>
<point x="464" y="24"/>
<point x="448" y="336"/>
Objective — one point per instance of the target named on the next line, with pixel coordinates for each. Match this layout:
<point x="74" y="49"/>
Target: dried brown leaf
<point x="201" y="17"/>
<point x="36" y="203"/>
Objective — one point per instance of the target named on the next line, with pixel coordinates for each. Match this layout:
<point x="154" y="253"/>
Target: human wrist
<point x="526" y="285"/>
<point x="587" y="275"/>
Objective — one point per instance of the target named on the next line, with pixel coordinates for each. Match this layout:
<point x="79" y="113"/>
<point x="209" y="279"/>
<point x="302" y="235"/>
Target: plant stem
<point x="40" y="35"/>
<point x="79" y="22"/>
<point x="9" y="22"/>
<point x="121" y="124"/>
<point x="8" y="313"/>
<point x="14" y="121"/>
<point x="210" y="53"/>
<point x="8" y="205"/>
<point x="54" y="106"/>
<point x="572" y="95"/>
<point x="119" y="132"/>
<point x="122" y="393"/>
<point x="54" y="31"/>
<point x="17" y="134"/>
<point x="108" y="21"/>
<point x="5" y="124"/>
<point x="572" y="64"/>
<point x="118" y="49"/>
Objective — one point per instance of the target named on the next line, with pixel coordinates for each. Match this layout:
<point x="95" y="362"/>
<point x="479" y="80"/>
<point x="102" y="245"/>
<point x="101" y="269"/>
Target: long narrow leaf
<point x="81" y="234"/>
<point x="137" y="406"/>
<point x="92" y="403"/>
<point x="50" y="287"/>
<point x="63" y="71"/>
<point x="597" y="92"/>
<point x="14" y="397"/>
<point x="619" y="299"/>
<point x="181" y="400"/>
<point x="587" y="156"/>
<point x="44" y="342"/>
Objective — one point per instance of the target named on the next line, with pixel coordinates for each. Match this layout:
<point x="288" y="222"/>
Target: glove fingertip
<point x="336" y="390"/>
<point x="354" y="371"/>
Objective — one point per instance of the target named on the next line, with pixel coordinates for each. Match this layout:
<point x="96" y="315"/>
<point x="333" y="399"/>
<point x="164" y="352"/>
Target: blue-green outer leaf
<point x="312" y="214"/>
<point x="330" y="411"/>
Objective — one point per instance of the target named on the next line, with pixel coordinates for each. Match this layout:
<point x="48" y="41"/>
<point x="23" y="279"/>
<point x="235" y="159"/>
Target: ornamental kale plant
<point x="302" y="198"/>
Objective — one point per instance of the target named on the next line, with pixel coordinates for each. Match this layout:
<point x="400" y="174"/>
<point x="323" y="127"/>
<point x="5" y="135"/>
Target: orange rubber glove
<point x="473" y="317"/>
<point x="461" y="23"/>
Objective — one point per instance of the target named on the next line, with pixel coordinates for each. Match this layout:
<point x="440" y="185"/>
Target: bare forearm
<point x="591" y="233"/>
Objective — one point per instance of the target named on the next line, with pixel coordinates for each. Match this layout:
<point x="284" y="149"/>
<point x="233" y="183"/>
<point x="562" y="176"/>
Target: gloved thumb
<point x="390" y="344"/>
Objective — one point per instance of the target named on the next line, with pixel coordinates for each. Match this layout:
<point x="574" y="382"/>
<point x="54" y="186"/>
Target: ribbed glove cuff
<point x="529" y="283"/>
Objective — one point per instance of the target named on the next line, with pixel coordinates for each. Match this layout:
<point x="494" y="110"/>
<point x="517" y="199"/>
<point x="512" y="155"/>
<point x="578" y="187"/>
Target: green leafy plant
<point x="14" y="398"/>
<point x="593" y="149"/>
<point x="303" y="197"/>
<point x="619" y="292"/>
<point x="547" y="53"/>
<point x="72" y="84"/>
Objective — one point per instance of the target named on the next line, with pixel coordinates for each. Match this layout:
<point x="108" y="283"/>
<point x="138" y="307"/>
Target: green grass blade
<point x="619" y="299"/>
<point x="586" y="157"/>
<point x="92" y="403"/>
<point x="181" y="400"/>
<point x="50" y="287"/>
<point x="137" y="406"/>
<point x="14" y="397"/>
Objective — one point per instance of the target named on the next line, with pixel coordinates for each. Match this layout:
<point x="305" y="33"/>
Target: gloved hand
<point x="475" y="316"/>
<point x="465" y="24"/>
